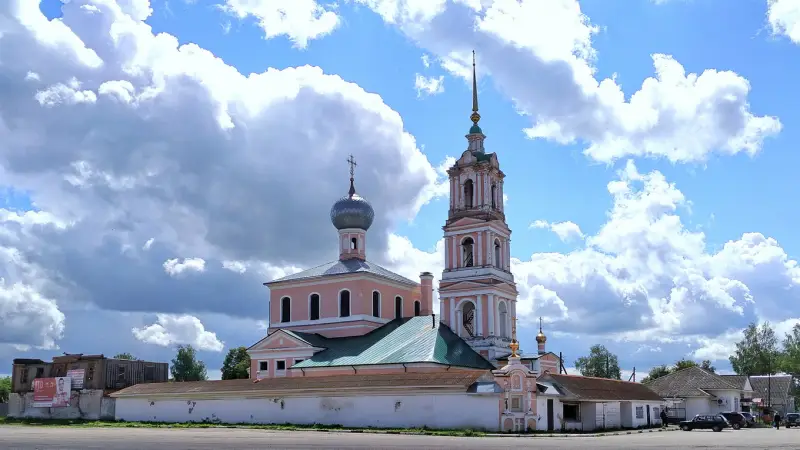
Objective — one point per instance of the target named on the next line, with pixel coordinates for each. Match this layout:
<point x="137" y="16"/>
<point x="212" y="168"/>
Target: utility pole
<point x="607" y="373"/>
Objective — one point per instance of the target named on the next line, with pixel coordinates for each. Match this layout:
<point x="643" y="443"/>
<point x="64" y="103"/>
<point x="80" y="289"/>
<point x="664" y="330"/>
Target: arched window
<point x="494" y="196"/>
<point x="469" y="190"/>
<point x="313" y="307"/>
<point x="466" y="252"/>
<point x="376" y="303"/>
<point x="286" y="309"/>
<point x="468" y="318"/>
<point x="503" y="319"/>
<point x="417" y="307"/>
<point x="398" y="307"/>
<point x="354" y="244"/>
<point x="344" y="303"/>
<point x="497" y="262"/>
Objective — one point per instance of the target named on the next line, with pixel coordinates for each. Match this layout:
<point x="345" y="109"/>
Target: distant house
<point x="93" y="377"/>
<point x="589" y="403"/>
<point x="774" y="392"/>
<point x="693" y="391"/>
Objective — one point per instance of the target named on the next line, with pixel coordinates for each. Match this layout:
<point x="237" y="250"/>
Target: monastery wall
<point x="437" y="411"/>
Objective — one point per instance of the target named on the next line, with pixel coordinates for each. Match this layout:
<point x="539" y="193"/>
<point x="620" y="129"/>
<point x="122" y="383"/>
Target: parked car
<point x="714" y="422"/>
<point x="749" y="419"/>
<point x="737" y="420"/>
<point x="792" y="420"/>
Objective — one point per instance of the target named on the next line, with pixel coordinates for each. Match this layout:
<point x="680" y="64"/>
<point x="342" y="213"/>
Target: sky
<point x="160" y="160"/>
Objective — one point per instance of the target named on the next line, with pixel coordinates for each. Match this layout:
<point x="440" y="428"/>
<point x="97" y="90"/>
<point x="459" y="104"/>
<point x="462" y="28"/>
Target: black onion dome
<point x="352" y="211"/>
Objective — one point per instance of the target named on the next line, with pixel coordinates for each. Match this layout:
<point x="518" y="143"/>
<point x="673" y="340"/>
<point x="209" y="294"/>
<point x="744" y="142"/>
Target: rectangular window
<point x="39" y="372"/>
<point x="263" y="366"/>
<point x="121" y="373"/>
<point x="572" y="412"/>
<point x="516" y="403"/>
<point x="640" y="412"/>
<point x="280" y="365"/>
<point x="24" y="377"/>
<point x="298" y="361"/>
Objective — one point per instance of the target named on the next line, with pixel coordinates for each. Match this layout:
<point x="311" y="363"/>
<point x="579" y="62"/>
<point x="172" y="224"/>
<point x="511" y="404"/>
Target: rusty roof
<point x="692" y="382"/>
<point x="284" y="385"/>
<point x="591" y="388"/>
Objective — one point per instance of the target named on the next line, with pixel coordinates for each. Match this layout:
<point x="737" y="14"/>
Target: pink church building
<point x="318" y="314"/>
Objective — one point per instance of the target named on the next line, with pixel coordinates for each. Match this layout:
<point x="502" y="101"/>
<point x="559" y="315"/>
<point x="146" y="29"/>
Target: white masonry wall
<point x="435" y="411"/>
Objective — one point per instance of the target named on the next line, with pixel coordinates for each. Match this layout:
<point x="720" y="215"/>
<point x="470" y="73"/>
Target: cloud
<point x="784" y="18"/>
<point x="171" y="330"/>
<point x="175" y="267"/>
<point x="428" y="85"/>
<point x="566" y="231"/>
<point x="299" y="20"/>
<point x="137" y="149"/>
<point x="539" y="54"/>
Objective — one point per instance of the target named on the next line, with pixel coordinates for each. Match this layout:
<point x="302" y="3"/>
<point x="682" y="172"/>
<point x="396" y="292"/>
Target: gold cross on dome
<point x="540" y="323"/>
<point x="352" y="161"/>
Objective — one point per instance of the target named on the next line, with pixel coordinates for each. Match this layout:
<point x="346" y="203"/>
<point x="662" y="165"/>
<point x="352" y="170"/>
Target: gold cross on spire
<point x="540" y="323"/>
<point x="352" y="161"/>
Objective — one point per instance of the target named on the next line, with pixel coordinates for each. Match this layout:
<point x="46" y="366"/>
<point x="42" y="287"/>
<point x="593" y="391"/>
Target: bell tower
<point x="477" y="292"/>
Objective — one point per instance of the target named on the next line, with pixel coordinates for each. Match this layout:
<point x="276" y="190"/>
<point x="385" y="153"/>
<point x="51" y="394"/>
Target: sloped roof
<point x="690" y="382"/>
<point x="776" y="387"/>
<point x="406" y="340"/>
<point x="346" y="267"/>
<point x="284" y="385"/>
<point x="592" y="388"/>
<point x="736" y="380"/>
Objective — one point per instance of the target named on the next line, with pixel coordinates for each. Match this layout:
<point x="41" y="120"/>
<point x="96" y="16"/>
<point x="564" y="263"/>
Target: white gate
<point x="607" y="415"/>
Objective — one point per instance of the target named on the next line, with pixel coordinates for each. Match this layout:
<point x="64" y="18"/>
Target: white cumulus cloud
<point x="170" y="330"/>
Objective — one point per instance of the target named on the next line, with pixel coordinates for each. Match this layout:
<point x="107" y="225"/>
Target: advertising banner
<point x="77" y="376"/>
<point x="51" y="392"/>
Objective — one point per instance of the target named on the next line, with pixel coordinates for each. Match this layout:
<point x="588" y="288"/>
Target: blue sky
<point x="726" y="195"/>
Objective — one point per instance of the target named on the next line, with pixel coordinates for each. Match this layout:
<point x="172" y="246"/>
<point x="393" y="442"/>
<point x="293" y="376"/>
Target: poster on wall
<point x="51" y="392"/>
<point x="77" y="376"/>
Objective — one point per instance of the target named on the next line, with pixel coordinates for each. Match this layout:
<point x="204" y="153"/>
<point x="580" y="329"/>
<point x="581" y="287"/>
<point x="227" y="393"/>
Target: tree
<point x="600" y="363"/>
<point x="686" y="363"/>
<point x="236" y="364"/>
<point x="124" y="356"/>
<point x="5" y="389"/>
<point x="186" y="367"/>
<point x="790" y="363"/>
<point x="757" y="353"/>
<point x="657" y="372"/>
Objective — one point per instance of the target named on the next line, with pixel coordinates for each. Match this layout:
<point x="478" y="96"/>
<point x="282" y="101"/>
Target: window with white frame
<point x="572" y="412"/>
<point x="280" y="367"/>
<point x="640" y="412"/>
<point x="516" y="403"/>
<point x="263" y="366"/>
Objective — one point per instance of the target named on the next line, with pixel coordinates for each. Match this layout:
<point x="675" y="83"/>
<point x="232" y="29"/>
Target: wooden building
<point x="100" y="373"/>
<point x="93" y="377"/>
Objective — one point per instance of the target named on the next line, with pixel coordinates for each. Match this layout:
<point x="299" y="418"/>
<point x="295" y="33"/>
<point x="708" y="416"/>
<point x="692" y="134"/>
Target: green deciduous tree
<point x="790" y="361"/>
<point x="186" y="367"/>
<point x="600" y="363"/>
<point x="124" y="356"/>
<point x="5" y="389"/>
<point x="236" y="364"/>
<point x="657" y="372"/>
<point x="686" y="363"/>
<point x="757" y="353"/>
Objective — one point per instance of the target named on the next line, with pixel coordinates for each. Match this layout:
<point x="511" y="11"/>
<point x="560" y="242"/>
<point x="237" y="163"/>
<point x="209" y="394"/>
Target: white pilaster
<point x="453" y="324"/>
<point x="497" y="317"/>
<point x="479" y="261"/>
<point x="490" y="304"/>
<point x="508" y="254"/>
<point x="478" y="315"/>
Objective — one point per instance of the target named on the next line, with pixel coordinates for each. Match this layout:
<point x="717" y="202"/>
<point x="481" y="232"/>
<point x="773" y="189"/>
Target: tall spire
<point x="475" y="117"/>
<point x="352" y="161"/>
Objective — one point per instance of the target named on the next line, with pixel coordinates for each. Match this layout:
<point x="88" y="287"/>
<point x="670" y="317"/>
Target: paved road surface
<point x="50" y="438"/>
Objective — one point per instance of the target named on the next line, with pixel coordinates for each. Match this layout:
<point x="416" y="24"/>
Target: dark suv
<point x="737" y="420"/>
<point x="792" y="420"/>
<point x="715" y="422"/>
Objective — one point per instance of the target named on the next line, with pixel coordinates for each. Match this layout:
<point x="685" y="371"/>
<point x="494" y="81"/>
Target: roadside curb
<point x="584" y="435"/>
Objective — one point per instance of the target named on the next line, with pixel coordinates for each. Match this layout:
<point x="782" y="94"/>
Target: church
<point x="352" y="343"/>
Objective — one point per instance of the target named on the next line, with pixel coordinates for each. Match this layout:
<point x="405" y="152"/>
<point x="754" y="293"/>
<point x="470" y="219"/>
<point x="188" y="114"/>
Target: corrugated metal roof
<point x="285" y="385"/>
<point x="776" y="388"/>
<point x="407" y="340"/>
<point x="346" y="267"/>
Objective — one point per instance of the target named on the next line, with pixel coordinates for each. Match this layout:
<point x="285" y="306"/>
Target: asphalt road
<point x="63" y="438"/>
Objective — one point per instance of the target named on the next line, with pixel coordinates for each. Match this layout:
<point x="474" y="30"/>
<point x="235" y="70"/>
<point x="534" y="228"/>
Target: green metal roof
<point x="407" y="340"/>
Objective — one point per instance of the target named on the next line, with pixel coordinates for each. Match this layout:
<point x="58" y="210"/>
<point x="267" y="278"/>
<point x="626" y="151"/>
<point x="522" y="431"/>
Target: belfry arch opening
<point x="467" y="247"/>
<point x="469" y="191"/>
